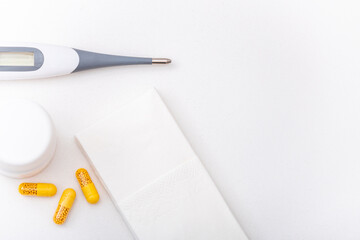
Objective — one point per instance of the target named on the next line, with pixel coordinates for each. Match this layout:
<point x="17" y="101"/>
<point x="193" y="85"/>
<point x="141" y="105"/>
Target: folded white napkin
<point x="154" y="177"/>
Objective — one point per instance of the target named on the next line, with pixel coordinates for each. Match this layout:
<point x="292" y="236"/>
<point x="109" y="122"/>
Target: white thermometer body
<point x="31" y="60"/>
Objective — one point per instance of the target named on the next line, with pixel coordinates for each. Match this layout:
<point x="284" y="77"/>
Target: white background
<point x="267" y="92"/>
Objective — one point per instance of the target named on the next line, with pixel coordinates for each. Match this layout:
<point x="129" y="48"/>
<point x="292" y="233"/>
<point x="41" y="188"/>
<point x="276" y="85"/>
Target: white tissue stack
<point x="154" y="177"/>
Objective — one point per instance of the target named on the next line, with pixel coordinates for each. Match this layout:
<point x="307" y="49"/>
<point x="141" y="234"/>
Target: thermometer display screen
<point x="22" y="59"/>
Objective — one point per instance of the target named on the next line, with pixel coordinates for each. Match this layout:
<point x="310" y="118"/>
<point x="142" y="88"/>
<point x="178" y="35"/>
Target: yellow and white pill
<point x="87" y="186"/>
<point x="37" y="189"/>
<point x="64" y="206"/>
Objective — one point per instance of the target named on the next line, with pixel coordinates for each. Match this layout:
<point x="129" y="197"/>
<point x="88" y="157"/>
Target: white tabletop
<point x="267" y="93"/>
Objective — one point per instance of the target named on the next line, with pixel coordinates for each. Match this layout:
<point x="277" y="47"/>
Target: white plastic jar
<point x="27" y="138"/>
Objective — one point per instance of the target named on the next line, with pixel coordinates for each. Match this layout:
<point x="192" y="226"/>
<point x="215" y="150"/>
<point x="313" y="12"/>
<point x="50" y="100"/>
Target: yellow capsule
<point x="65" y="203"/>
<point x="87" y="186"/>
<point x="37" y="189"/>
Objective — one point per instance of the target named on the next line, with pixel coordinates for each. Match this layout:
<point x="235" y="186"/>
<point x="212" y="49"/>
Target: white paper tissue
<point x="154" y="177"/>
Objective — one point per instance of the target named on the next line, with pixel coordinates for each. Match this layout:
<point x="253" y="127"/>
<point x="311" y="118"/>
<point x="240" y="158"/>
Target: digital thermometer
<point x="30" y="60"/>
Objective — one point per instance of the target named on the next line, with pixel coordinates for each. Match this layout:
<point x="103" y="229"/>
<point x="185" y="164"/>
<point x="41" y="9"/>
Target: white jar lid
<point x="27" y="138"/>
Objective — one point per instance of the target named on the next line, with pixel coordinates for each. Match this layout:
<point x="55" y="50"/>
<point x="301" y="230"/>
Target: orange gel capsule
<point x="37" y="189"/>
<point x="65" y="204"/>
<point x="87" y="186"/>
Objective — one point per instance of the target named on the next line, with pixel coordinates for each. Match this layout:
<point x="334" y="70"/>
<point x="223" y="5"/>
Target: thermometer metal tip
<point x="161" y="61"/>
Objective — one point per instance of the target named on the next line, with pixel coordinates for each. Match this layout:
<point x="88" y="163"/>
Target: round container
<point x="27" y="138"/>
